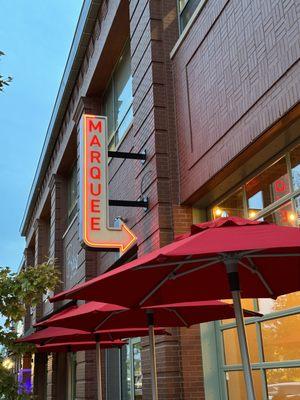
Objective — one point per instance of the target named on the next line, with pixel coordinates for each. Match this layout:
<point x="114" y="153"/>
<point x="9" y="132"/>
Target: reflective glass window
<point x="236" y="385"/>
<point x="231" y="345"/>
<point x="72" y="193"/>
<point x="283" y="383"/>
<point x="283" y="215"/>
<point x="232" y="206"/>
<point x="137" y="371"/>
<point x="295" y="167"/>
<point x="186" y="10"/>
<point x="275" y="340"/>
<point x="271" y="185"/>
<point x="297" y="209"/>
<point x="117" y="100"/>
<point x="281" y="338"/>
<point x="132" y="377"/>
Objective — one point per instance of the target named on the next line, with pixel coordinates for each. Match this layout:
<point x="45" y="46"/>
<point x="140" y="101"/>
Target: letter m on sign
<point x="93" y="127"/>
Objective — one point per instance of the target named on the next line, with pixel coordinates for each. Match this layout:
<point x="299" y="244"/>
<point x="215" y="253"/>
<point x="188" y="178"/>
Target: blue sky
<point x="36" y="37"/>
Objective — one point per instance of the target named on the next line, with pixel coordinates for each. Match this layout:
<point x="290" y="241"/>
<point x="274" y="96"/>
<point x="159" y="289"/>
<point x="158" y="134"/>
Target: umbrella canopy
<point x="91" y="317"/>
<point x="95" y="315"/>
<point x="219" y="259"/>
<point x="45" y="335"/>
<point x="62" y="335"/>
<point x="194" y="268"/>
<point x="77" y="346"/>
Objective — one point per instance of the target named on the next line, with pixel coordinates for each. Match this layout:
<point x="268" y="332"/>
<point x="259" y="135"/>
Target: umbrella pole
<point x="233" y="277"/>
<point x="69" y="372"/>
<point x="152" y="355"/>
<point x="98" y="369"/>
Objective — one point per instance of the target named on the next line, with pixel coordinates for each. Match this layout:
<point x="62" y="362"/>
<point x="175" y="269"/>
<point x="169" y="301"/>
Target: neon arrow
<point x="95" y="230"/>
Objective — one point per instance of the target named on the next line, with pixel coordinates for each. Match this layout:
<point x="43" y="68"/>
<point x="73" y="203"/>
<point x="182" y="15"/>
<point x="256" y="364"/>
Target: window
<point x="186" y="10"/>
<point x="283" y="383"/>
<point x="73" y="375"/>
<point x="234" y="205"/>
<point x="117" y="102"/>
<point x="132" y="378"/>
<point x="72" y="193"/>
<point x="71" y="372"/>
<point x="269" y="186"/>
<point x="274" y="196"/>
<point x="236" y="385"/>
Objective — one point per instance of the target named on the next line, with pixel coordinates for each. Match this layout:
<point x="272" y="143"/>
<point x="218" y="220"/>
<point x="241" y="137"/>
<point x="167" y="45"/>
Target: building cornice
<point x="83" y="32"/>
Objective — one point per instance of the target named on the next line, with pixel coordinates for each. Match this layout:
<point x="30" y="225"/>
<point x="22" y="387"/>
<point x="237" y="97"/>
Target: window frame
<point x="131" y="343"/>
<point x="72" y="208"/>
<point x="112" y="144"/>
<point x="218" y="386"/>
<point x="181" y="12"/>
<point x="276" y="204"/>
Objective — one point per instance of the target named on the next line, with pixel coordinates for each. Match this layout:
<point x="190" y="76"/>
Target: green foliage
<point x="4" y="81"/>
<point x="20" y="291"/>
<point x="9" y="386"/>
<point x="25" y="289"/>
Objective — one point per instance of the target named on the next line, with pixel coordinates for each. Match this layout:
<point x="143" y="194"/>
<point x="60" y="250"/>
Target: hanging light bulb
<point x="292" y="217"/>
<point x="218" y="212"/>
<point x="252" y="214"/>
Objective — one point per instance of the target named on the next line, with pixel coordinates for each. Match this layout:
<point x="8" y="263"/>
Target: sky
<point x="36" y="37"/>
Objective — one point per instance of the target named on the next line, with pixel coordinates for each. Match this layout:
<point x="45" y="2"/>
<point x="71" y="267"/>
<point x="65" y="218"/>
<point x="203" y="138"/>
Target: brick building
<point x="210" y="89"/>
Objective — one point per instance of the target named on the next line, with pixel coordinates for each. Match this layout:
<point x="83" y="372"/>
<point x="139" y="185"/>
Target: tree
<point x="4" y="81"/>
<point x="18" y="292"/>
<point x="9" y="388"/>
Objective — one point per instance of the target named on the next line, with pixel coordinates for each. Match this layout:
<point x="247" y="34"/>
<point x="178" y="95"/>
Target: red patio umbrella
<point x="93" y="316"/>
<point x="66" y="347"/>
<point x="58" y="338"/>
<point x="223" y="258"/>
<point x="56" y="335"/>
<point x="73" y="346"/>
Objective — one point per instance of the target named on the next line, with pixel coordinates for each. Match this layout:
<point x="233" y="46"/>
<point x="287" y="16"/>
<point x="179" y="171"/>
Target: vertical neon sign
<point x="94" y="217"/>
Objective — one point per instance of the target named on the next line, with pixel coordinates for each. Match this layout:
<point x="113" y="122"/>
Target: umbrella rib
<point x="175" y="276"/>
<point x="275" y="255"/>
<point x="169" y="263"/>
<point x="247" y="253"/>
<point x="165" y="279"/>
<point x="179" y="316"/>
<point x="49" y="340"/>
<point x="107" y="318"/>
<point x="254" y="270"/>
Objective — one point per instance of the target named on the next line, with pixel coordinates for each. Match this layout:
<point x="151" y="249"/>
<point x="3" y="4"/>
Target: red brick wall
<point x="236" y="73"/>
<point x="182" y="218"/>
<point x="191" y="363"/>
<point x="153" y="32"/>
<point x="190" y="344"/>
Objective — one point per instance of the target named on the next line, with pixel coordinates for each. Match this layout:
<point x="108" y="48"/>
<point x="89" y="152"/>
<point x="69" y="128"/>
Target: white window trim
<point x="188" y="27"/>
